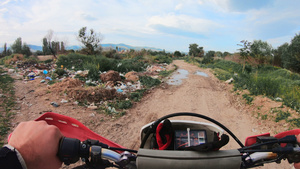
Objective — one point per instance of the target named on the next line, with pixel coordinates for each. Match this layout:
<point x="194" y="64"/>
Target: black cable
<point x="155" y="124"/>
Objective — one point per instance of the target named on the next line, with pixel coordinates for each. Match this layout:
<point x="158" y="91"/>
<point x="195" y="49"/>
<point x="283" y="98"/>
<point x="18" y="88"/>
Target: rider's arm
<point x="11" y="158"/>
<point x="37" y="144"/>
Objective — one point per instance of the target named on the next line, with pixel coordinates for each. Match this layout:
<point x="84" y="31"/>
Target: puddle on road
<point x="201" y="73"/>
<point x="176" y="78"/>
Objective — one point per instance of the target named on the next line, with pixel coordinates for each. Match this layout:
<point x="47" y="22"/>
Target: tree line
<point x="285" y="56"/>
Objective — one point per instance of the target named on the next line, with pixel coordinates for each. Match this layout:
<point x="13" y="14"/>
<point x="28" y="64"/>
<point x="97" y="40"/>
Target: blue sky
<point x="167" y="24"/>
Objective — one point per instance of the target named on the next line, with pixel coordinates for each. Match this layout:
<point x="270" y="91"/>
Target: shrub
<point x="163" y="59"/>
<point x="149" y="81"/>
<point x="93" y="71"/>
<point x="137" y="95"/>
<point x="60" y="72"/>
<point x="248" y="98"/>
<point x="281" y="115"/>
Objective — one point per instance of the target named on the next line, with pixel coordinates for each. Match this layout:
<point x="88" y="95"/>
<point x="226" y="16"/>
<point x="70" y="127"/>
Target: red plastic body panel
<point x="72" y="128"/>
<point x="252" y="139"/>
<point x="286" y="133"/>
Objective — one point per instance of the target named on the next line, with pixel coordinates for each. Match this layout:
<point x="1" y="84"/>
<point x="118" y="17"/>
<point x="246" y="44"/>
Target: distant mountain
<point x="121" y="46"/>
<point x="35" y="47"/>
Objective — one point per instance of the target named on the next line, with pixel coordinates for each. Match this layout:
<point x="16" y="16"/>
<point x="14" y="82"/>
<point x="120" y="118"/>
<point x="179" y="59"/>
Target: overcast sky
<point x="167" y="24"/>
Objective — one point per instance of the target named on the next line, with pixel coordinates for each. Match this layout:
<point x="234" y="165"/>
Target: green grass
<point x="7" y="102"/>
<point x="262" y="80"/>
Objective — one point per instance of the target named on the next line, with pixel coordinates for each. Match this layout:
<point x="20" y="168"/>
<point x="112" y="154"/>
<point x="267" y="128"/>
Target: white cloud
<point x="184" y="22"/>
<point x="5" y="2"/>
<point x="179" y="6"/>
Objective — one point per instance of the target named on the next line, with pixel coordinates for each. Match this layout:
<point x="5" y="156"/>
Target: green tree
<point x="17" y="46"/>
<point x="177" y="54"/>
<point x="245" y="51"/>
<point x="4" y="52"/>
<point x="26" y="50"/>
<point x="292" y="55"/>
<point x="91" y="40"/>
<point x="209" y="57"/>
<point x="279" y="53"/>
<point x="46" y="50"/>
<point x="196" y="51"/>
<point x="262" y="51"/>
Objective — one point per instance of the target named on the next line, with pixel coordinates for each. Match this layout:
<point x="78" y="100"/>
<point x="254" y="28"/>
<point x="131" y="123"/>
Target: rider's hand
<point x="297" y="165"/>
<point x="38" y="144"/>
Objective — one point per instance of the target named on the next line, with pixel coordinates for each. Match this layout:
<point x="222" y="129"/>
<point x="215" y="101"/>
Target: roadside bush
<point x="222" y="74"/>
<point x="74" y="59"/>
<point x="93" y="71"/>
<point x="163" y="59"/>
<point x="248" y="98"/>
<point x="60" y="72"/>
<point x="137" y="95"/>
<point x="149" y="81"/>
<point x="134" y="64"/>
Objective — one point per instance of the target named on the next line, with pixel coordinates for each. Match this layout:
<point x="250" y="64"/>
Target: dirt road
<point x="198" y="94"/>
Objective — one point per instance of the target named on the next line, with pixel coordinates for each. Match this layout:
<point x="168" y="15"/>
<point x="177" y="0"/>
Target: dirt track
<point x="198" y="94"/>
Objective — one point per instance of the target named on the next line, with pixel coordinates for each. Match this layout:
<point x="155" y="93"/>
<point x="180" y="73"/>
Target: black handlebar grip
<point x="68" y="151"/>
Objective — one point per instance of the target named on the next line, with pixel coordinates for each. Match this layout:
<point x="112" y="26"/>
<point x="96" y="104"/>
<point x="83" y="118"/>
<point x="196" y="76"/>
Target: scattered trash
<point x="112" y="110"/>
<point x="54" y="104"/>
<point x="92" y="114"/>
<point x="48" y="78"/>
<point x="119" y="90"/>
<point x="75" y="103"/>
<point x="10" y="71"/>
<point x="278" y="99"/>
<point x="92" y="107"/>
<point x="229" y="81"/>
<point x="64" y="101"/>
<point x="43" y="81"/>
<point x="45" y="72"/>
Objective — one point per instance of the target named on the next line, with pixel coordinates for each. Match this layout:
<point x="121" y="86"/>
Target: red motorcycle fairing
<point x="252" y="139"/>
<point x="72" y="128"/>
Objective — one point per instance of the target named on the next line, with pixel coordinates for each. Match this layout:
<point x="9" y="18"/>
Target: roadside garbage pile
<point x="111" y="85"/>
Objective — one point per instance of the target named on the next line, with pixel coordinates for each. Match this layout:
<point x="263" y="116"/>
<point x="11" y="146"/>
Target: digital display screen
<point x="197" y="137"/>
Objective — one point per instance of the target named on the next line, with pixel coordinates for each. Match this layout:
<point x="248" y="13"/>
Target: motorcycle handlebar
<point x="70" y="150"/>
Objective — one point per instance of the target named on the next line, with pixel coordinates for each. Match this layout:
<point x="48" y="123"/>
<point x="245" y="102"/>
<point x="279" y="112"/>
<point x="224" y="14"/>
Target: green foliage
<point x="60" y="72"/>
<point x="93" y="71"/>
<point x="7" y="102"/>
<point x="248" y="98"/>
<point x="262" y="51"/>
<point x="73" y="59"/>
<point x="262" y="80"/>
<point x="222" y="74"/>
<point x="124" y="104"/>
<point x="196" y="51"/>
<point x="295" y="122"/>
<point x="163" y="59"/>
<point x="137" y="95"/>
<point x="121" y="104"/>
<point x="177" y="54"/>
<point x="2" y="60"/>
<point x="17" y="45"/>
<point x="135" y="64"/>
<point x="149" y="81"/>
<point x="281" y="115"/>
<point x="91" y="41"/>
<point x="209" y="57"/>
